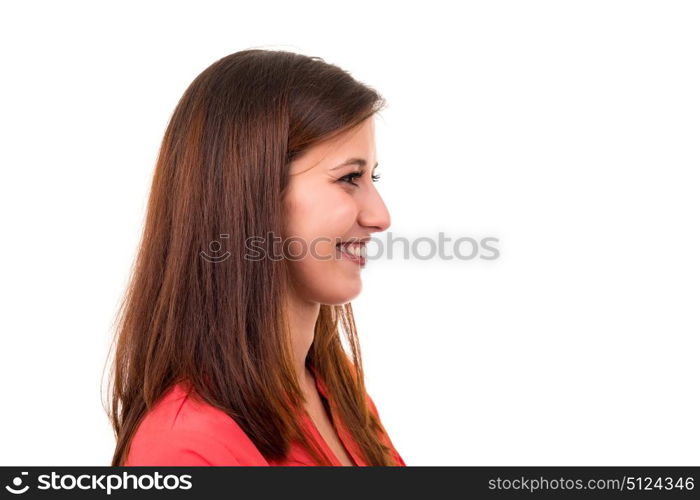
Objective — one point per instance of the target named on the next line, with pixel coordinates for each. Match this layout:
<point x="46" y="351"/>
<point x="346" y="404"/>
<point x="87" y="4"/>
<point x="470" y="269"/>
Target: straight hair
<point x="221" y="326"/>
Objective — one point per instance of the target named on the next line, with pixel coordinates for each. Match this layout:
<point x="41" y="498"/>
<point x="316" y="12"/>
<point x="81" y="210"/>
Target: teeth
<point x="356" y="250"/>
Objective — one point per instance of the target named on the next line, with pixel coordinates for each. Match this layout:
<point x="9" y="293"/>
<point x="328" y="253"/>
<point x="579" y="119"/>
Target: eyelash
<point x="357" y="175"/>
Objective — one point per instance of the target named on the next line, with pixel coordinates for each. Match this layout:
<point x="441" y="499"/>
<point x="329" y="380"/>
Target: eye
<point x="356" y="175"/>
<point x="351" y="177"/>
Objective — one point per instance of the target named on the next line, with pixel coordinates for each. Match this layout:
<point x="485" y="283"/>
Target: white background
<point x="568" y="130"/>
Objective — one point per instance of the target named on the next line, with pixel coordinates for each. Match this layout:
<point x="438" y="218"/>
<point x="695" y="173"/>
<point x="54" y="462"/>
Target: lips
<point x="357" y="240"/>
<point x="353" y="251"/>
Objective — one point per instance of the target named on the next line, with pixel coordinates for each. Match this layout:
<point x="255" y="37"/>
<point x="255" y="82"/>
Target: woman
<point x="228" y="342"/>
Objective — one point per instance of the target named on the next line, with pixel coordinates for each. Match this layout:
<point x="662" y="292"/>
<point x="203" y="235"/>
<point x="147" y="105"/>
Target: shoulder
<point x="181" y="431"/>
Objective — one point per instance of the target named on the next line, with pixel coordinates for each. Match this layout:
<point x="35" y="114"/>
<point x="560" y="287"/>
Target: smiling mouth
<point x="353" y="252"/>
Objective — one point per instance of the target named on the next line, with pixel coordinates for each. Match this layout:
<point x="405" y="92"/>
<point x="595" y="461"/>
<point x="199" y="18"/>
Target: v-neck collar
<point x="337" y="423"/>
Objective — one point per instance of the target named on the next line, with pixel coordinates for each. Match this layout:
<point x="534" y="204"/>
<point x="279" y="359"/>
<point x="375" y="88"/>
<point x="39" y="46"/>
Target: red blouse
<point x="179" y="431"/>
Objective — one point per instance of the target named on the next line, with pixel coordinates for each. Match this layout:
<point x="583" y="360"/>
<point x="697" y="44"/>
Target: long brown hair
<point x="221" y="170"/>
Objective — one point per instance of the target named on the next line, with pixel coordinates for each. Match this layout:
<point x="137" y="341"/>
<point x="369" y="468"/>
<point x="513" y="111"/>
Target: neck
<point x="301" y="316"/>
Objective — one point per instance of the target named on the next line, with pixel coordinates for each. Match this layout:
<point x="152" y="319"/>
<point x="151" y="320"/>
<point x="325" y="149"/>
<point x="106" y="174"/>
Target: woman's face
<point x="327" y="203"/>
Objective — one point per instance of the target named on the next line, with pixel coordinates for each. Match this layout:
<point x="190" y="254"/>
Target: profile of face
<point x="332" y="197"/>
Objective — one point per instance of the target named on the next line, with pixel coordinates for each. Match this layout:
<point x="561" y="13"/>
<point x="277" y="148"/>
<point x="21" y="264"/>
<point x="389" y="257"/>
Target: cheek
<point x="323" y="213"/>
<point x="316" y="270"/>
<point x="344" y="214"/>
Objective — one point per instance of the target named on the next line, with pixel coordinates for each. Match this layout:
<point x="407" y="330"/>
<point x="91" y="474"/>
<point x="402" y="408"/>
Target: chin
<point x="341" y="295"/>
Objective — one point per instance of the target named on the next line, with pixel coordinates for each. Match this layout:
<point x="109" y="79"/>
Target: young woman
<point x="229" y="344"/>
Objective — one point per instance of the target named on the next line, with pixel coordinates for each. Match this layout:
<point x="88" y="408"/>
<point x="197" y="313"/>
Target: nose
<point x="373" y="214"/>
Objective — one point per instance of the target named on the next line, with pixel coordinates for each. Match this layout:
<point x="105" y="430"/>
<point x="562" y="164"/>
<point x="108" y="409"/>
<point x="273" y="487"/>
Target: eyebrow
<point x="360" y="162"/>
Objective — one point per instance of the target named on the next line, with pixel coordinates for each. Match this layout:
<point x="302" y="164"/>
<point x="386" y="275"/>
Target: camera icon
<point x="215" y="248"/>
<point x="17" y="482"/>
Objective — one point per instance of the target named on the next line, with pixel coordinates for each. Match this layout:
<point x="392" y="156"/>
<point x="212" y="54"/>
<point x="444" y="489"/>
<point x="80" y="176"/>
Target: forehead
<point x="356" y="142"/>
